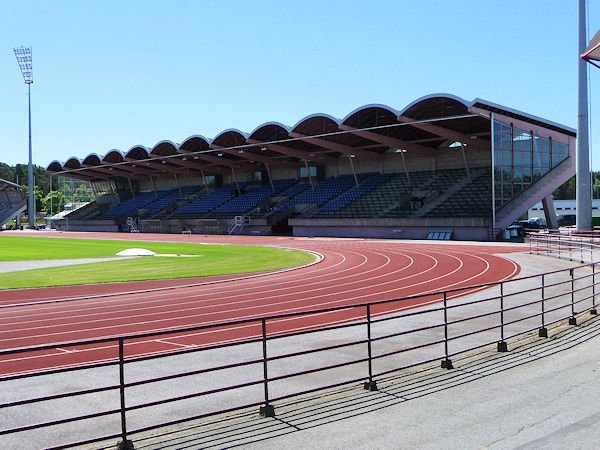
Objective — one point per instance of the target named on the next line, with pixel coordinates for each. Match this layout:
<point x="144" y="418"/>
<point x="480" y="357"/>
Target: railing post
<point x="267" y="410"/>
<point x="570" y="250"/>
<point x="559" y="246"/>
<point x="502" y="346"/>
<point x="125" y="443"/>
<point x="581" y="249"/>
<point x="447" y="362"/>
<point x="572" y="319"/>
<point x="593" y="311"/>
<point x="370" y="385"/>
<point x="543" y="331"/>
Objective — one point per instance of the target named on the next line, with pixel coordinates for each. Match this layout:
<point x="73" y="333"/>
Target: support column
<point x="353" y="171"/>
<point x="462" y="148"/>
<point x="584" y="199"/>
<point x="270" y="178"/>
<point x="177" y="182"/>
<point x="153" y="185"/>
<point x="312" y="186"/>
<point x="204" y="180"/>
<point x="550" y="212"/>
<point x="405" y="166"/>
<point x="236" y="181"/>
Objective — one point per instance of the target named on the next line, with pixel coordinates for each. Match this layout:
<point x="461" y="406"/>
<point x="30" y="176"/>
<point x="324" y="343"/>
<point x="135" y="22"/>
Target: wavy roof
<point x="367" y="132"/>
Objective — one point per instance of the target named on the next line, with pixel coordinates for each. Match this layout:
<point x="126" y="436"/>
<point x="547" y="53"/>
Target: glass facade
<point x="520" y="159"/>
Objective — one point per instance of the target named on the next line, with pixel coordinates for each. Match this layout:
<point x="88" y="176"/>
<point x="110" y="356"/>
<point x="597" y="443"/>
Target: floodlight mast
<point x="583" y="194"/>
<point x="24" y="59"/>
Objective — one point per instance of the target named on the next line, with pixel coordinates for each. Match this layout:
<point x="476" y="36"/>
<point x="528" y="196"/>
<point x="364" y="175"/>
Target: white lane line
<point x="148" y="298"/>
<point x="53" y="300"/>
<point x="515" y="268"/>
<point x="193" y="295"/>
<point x="221" y="304"/>
<point x="175" y="344"/>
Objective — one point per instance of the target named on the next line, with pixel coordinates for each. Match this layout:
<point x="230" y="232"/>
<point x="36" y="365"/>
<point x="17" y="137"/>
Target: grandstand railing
<point x="358" y="344"/>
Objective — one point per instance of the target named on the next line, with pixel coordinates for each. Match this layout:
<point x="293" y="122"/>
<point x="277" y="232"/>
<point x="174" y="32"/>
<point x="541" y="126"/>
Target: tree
<point x="54" y="198"/>
<point x="83" y="193"/>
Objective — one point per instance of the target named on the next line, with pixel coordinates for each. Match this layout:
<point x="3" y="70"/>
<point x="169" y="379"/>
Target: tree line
<point x="47" y="200"/>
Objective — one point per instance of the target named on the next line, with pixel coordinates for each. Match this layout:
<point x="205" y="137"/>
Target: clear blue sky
<point x="112" y="74"/>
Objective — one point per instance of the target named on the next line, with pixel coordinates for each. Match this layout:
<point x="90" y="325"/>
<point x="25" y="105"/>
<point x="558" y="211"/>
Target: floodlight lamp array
<point x="24" y="59"/>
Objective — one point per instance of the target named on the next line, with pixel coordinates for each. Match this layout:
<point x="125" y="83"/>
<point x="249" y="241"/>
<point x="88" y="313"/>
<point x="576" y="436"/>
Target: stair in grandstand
<point x="467" y="198"/>
<point x="543" y="187"/>
<point x="88" y="211"/>
<point x="374" y="201"/>
<point x="131" y="206"/>
<point x="311" y="199"/>
<point x="429" y="189"/>
<point x="202" y="205"/>
<point x="337" y="206"/>
<point x="166" y="202"/>
<point x="12" y="201"/>
<point x="251" y="198"/>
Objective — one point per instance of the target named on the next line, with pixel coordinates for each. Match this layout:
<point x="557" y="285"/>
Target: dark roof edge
<point x="494" y="107"/>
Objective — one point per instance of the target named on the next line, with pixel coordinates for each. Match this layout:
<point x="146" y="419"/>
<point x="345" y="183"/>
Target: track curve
<point x="351" y="271"/>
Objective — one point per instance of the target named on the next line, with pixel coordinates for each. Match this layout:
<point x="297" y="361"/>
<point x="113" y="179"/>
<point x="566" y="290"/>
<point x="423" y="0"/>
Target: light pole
<point x="23" y="55"/>
<point x="583" y="194"/>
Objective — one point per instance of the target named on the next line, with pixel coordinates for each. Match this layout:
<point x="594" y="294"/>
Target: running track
<point x="350" y="271"/>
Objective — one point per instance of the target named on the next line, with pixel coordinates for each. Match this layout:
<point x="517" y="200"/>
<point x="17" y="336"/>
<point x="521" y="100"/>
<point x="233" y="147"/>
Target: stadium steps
<point x="12" y="201"/>
<point x="542" y="188"/>
<point x="472" y="200"/>
<point x="449" y="193"/>
<point x="86" y="212"/>
<point x="374" y="202"/>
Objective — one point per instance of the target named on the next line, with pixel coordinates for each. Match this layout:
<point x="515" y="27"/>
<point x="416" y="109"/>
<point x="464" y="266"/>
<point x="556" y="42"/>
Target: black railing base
<point x="543" y="332"/>
<point x="267" y="411"/>
<point x="593" y="312"/>
<point x="572" y="320"/>
<point x="125" y="444"/>
<point x="447" y="364"/>
<point x="502" y="347"/>
<point x="370" y="385"/>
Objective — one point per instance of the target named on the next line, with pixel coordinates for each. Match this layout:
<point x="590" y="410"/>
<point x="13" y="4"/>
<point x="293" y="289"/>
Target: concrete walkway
<point x="17" y="266"/>
<point x="540" y="395"/>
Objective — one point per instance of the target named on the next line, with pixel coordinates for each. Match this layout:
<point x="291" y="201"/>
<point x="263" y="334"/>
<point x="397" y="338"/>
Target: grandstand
<point x="12" y="201"/>
<point x="470" y="168"/>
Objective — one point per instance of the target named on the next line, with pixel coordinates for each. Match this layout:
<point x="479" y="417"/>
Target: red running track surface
<point x="351" y="271"/>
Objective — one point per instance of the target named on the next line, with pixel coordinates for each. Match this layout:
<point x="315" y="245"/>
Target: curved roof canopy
<point x="426" y="124"/>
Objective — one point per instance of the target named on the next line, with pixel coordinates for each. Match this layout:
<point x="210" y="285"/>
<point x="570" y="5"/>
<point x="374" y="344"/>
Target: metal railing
<point x="262" y="361"/>
<point x="574" y="246"/>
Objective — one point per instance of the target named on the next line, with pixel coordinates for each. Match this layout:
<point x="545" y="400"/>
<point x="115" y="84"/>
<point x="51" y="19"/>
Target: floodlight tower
<point x="583" y="193"/>
<point x="23" y="55"/>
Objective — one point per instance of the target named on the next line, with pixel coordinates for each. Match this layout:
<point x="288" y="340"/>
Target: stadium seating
<point x="322" y="192"/>
<point x="205" y="203"/>
<point x="251" y="198"/>
<point x="130" y="206"/>
<point x="12" y="200"/>
<point x="473" y="200"/>
<point x="172" y="197"/>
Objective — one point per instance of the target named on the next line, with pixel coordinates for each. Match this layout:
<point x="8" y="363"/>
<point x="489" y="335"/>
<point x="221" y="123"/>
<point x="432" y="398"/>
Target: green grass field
<point x="209" y="260"/>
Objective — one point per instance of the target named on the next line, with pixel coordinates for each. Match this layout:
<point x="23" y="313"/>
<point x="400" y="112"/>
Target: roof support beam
<point x="247" y="155"/>
<point x="189" y="162"/>
<point x="446" y="133"/>
<point x="80" y="175"/>
<point x="111" y="171"/>
<point x="387" y="140"/>
<point x="295" y="153"/>
<point x="336" y="147"/>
